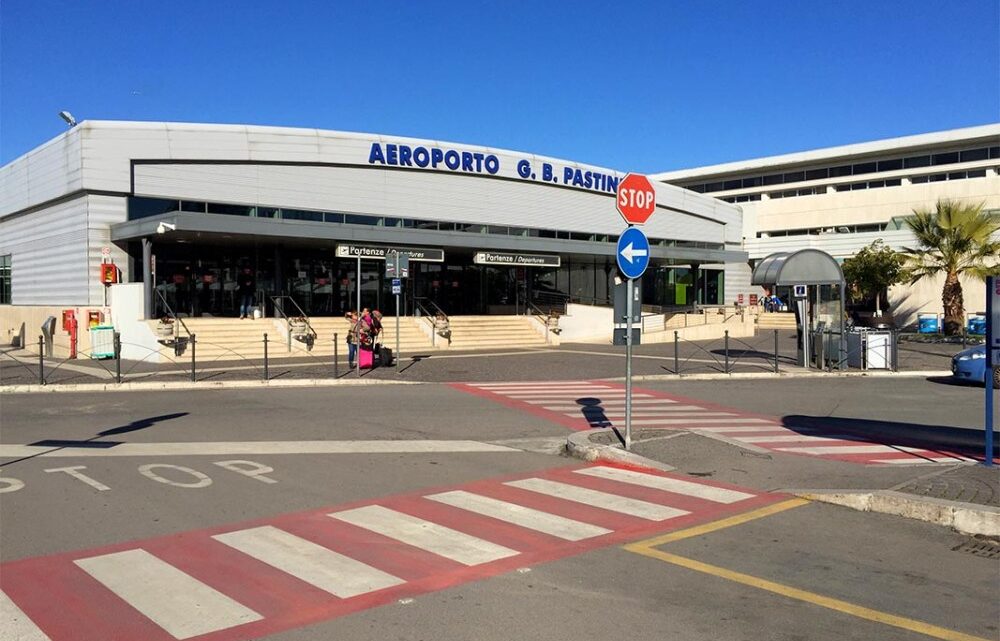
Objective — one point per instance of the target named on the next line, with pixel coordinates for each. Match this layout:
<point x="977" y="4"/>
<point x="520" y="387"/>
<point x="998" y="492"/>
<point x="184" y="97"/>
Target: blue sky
<point x="629" y="85"/>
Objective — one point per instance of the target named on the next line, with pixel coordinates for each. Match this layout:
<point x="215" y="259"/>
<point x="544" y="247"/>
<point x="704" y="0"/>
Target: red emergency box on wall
<point x="109" y="273"/>
<point x="68" y="316"/>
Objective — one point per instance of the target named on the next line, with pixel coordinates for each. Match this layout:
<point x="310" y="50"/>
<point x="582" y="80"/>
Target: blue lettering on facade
<point x="396" y="155"/>
<point x="421" y="156"/>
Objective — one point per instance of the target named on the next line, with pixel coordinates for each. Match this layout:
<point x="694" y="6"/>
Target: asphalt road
<point x="566" y="591"/>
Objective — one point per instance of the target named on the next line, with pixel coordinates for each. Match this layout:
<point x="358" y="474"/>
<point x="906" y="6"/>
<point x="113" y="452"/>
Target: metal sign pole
<point x="397" y="313"/>
<point x="628" y="365"/>
<point x="357" y="327"/>
<point x="992" y="290"/>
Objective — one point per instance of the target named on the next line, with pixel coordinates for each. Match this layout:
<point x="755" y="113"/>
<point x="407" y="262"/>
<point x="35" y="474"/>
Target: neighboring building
<point x="490" y="230"/>
<point x="840" y="199"/>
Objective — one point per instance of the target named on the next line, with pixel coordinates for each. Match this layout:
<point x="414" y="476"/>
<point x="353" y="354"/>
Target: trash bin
<point x="102" y="341"/>
<point x="977" y="325"/>
<point x="870" y="349"/>
<point x="928" y="324"/>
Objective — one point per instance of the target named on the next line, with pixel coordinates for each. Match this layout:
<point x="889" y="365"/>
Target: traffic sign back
<point x="633" y="252"/>
<point x="635" y="199"/>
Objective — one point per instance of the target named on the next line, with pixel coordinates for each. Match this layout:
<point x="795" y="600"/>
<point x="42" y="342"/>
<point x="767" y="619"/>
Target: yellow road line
<point x="647" y="548"/>
<point x="721" y="524"/>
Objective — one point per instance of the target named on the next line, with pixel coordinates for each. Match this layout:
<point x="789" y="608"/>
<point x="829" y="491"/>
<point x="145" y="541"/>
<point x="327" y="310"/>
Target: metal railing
<point x="439" y="322"/>
<point x="545" y="318"/>
<point x="172" y="314"/>
<point x="310" y="336"/>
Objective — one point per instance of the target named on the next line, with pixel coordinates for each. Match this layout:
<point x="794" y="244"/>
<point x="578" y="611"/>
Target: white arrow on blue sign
<point x="633" y="252"/>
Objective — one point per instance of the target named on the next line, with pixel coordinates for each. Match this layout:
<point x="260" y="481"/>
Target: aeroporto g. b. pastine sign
<point x="436" y="158"/>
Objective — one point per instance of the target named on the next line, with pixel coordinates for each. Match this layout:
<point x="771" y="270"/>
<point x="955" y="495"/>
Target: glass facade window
<point x="917" y="161"/>
<point x="5" y="278"/>
<point x="890" y="165"/>
<point x="945" y="159"/>
<point x="975" y="154"/>
<point x="817" y="174"/>
<point x="299" y="214"/>
<point x="188" y="205"/>
<point x="355" y="219"/>
<point x="146" y="207"/>
<point x="863" y="168"/>
<point x="229" y="210"/>
<point x="266" y="212"/>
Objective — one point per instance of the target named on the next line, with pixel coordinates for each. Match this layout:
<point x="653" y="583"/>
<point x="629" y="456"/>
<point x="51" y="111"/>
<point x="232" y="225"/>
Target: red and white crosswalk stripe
<point x="583" y="405"/>
<point x="248" y="580"/>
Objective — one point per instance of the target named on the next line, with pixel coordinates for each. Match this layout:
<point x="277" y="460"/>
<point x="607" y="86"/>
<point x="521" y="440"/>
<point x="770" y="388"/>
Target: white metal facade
<point x="57" y="202"/>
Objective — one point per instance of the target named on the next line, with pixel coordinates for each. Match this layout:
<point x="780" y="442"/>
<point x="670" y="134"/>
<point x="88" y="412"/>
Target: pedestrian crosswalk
<point x="253" y="579"/>
<point x="583" y="405"/>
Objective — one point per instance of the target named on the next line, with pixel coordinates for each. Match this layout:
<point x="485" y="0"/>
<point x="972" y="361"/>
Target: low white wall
<point x="586" y="324"/>
<point x="138" y="339"/>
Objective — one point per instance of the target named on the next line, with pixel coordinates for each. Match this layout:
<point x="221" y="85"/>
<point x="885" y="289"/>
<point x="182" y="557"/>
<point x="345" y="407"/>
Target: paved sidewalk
<point x="571" y="360"/>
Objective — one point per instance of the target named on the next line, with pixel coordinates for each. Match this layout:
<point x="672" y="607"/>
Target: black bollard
<point x="727" y="350"/>
<point x="118" y="357"/>
<point x="41" y="360"/>
<point x="775" y="351"/>
<point x="677" y="357"/>
<point x="336" y="356"/>
<point x="267" y="374"/>
<point x="193" y="375"/>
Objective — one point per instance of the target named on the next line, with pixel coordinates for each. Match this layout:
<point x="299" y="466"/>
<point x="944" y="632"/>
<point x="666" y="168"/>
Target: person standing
<point x="352" y="338"/>
<point x="246" y="286"/>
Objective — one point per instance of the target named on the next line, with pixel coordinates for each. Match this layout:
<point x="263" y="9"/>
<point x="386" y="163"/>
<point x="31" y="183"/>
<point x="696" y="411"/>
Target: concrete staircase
<point x="227" y="339"/>
<point x="776" y="320"/>
<point x="491" y="332"/>
<point x="413" y="338"/>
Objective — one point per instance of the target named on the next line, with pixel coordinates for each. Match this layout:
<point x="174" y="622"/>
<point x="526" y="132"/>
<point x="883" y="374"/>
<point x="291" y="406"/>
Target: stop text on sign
<point x="635" y="199"/>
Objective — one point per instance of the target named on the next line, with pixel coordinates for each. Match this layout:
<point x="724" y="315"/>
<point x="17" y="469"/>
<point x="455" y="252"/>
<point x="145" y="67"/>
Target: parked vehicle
<point x="970" y="366"/>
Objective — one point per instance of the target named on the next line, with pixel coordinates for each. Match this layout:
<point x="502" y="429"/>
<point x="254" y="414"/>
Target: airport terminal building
<point x="184" y="208"/>
<point x="840" y="199"/>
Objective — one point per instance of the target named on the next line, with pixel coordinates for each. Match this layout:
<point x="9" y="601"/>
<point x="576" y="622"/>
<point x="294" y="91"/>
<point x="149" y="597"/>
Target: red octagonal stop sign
<point x="636" y="199"/>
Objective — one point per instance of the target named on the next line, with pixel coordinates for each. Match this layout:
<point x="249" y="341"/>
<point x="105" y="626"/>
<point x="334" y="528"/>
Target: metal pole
<point x="336" y="356"/>
<point x="357" y="326"/>
<point x="147" y="278"/>
<point x="193" y="343"/>
<point x="628" y="365"/>
<point x="41" y="360"/>
<point x="775" y="351"/>
<point x="397" y="312"/>
<point x="267" y="373"/>
<point x="726" y="337"/>
<point x="992" y="285"/>
<point x="118" y="357"/>
<point x="677" y="354"/>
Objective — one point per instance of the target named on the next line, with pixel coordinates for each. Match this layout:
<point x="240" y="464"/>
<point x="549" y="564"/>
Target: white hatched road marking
<point x="678" y="486"/>
<point x="619" y="411"/>
<point x="604" y="401"/>
<point x="765" y="426"/>
<point x="177" y="602"/>
<point x="525" y="517"/>
<point x="792" y="438"/>
<point x="438" y="539"/>
<point x="323" y="568"/>
<point x="926" y="459"/>
<point x="253" y="447"/>
<point x="15" y="624"/>
<point x="613" y="502"/>
<point x="847" y="449"/>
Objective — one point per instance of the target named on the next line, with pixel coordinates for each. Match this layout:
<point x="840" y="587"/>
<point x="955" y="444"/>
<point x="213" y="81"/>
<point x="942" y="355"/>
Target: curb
<point x="579" y="445"/>
<point x="201" y="385"/>
<point x="782" y="375"/>
<point x="967" y="518"/>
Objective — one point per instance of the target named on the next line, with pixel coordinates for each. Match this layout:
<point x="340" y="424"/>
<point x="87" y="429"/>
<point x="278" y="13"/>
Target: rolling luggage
<point x="384" y="356"/>
<point x="365" y="358"/>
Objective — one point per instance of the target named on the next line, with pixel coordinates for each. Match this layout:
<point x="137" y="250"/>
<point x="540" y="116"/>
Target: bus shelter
<point x="818" y="287"/>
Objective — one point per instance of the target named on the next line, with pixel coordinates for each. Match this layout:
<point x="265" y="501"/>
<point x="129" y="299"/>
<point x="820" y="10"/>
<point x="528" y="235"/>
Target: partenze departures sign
<point x="501" y="258"/>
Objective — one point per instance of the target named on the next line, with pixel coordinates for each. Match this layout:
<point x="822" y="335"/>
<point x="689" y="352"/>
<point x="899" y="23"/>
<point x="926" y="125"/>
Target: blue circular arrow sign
<point x="633" y="252"/>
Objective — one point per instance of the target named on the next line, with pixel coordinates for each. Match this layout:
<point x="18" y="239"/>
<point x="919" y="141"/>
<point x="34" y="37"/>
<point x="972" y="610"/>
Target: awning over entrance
<point x="804" y="267"/>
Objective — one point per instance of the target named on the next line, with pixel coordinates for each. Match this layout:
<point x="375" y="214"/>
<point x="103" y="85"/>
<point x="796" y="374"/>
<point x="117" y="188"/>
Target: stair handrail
<point x="440" y="323"/>
<point x="288" y="320"/>
<point x="171" y="313"/>
<point x="545" y="318"/>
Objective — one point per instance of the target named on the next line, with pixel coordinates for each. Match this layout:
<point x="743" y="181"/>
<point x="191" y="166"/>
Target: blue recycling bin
<point x="928" y="324"/>
<point x="976" y="325"/>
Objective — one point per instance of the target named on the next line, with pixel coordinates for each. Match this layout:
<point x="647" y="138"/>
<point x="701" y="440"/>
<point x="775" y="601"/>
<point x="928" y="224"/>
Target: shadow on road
<point x="890" y="433"/>
<point x="93" y="442"/>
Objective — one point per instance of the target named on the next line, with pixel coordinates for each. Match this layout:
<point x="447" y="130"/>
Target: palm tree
<point x="956" y="239"/>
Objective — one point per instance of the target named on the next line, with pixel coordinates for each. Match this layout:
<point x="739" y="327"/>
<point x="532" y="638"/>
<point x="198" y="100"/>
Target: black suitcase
<point x="384" y="356"/>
